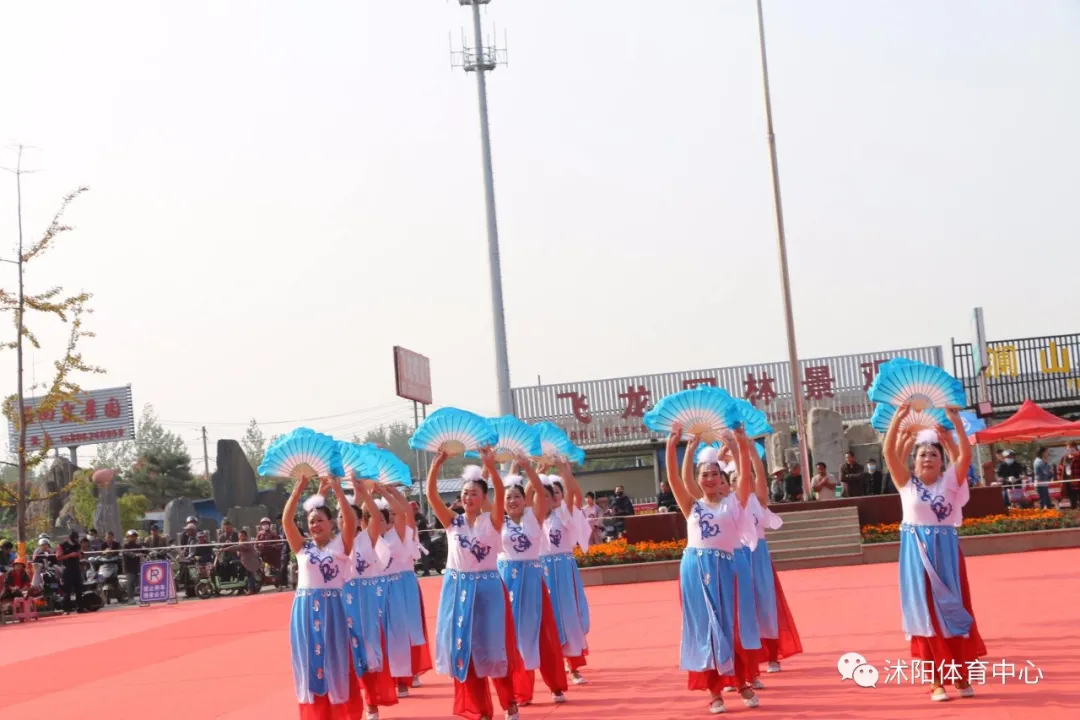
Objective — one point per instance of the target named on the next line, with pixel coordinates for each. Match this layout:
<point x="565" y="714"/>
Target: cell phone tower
<point x="481" y="59"/>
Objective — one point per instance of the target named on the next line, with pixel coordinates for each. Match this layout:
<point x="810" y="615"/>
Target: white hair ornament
<point x="926" y="437"/>
<point x="472" y="473"/>
<point x="514" y="480"/>
<point x="382" y="504"/>
<point x="708" y="456"/>
<point x="315" y="501"/>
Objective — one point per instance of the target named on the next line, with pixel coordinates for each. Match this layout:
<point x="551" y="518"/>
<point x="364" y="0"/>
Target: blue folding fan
<point x="705" y="411"/>
<point x="917" y="420"/>
<point x="755" y="422"/>
<point x="554" y="444"/>
<point x="383" y="466"/>
<point x="760" y="447"/>
<point x="371" y="462"/>
<point x="922" y="386"/>
<point x="515" y="438"/>
<point x="453" y="431"/>
<point x="302" y="453"/>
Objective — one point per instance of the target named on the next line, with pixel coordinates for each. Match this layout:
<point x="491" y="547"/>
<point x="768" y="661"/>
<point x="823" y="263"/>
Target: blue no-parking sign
<point x="156" y="582"/>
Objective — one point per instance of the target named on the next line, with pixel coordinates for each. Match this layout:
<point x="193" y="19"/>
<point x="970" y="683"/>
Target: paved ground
<point x="228" y="658"/>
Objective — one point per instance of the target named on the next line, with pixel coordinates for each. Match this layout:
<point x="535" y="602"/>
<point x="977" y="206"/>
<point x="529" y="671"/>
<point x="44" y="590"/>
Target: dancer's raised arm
<point x="896" y="463"/>
<point x="443" y="513"/>
<point x="348" y="533"/>
<point x="498" y="510"/>
<point x="745" y="486"/>
<point x="400" y="508"/>
<point x="288" y="517"/>
<point x="689" y="477"/>
<point x="574" y="498"/>
<point x="963" y="445"/>
<point x="761" y="480"/>
<point x="366" y="501"/>
<point x="535" y="495"/>
<point x="675" y="480"/>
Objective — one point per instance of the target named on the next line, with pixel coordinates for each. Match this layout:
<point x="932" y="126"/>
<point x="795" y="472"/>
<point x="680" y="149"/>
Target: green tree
<point x="132" y="508"/>
<point x="70" y="310"/>
<point x="254" y="444"/>
<point x="162" y="476"/>
<point x="83" y="500"/>
<point x="150" y="436"/>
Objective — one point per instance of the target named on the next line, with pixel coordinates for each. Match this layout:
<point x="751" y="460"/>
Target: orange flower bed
<point x="619" y="552"/>
<point x="1016" y="520"/>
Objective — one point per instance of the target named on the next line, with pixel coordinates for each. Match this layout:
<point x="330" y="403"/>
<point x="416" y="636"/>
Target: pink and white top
<point x="521" y="541"/>
<point x="764" y="518"/>
<point x="582" y="531"/>
<point x="558" y="537"/>
<point x="412" y="539"/>
<point x="724" y="526"/>
<point x="369" y="561"/>
<point x="400" y="556"/>
<point x="325" y="568"/>
<point x="941" y="503"/>
<point x="472" y="549"/>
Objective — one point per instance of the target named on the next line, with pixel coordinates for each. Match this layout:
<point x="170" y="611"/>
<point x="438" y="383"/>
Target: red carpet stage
<point x="229" y="658"/>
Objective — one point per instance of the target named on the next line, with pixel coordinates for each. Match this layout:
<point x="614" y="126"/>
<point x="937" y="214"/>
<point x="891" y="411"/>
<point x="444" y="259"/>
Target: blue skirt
<point x="524" y="579"/>
<point x="471" y="628"/>
<point x="319" y="639"/>
<point x="764" y="591"/>
<point x="410" y="587"/>
<point x="568" y="601"/>
<point x="364" y="603"/>
<point x="749" y="632"/>
<point x="708" y="582"/>
<point x="941" y="566"/>
<point x="395" y="620"/>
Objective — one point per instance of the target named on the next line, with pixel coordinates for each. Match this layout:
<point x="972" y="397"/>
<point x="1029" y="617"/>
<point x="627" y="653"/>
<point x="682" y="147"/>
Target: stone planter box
<point x="628" y="574"/>
<point x="999" y="544"/>
<point x="972" y="545"/>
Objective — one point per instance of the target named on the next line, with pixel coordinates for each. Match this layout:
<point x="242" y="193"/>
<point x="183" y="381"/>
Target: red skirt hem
<point x="322" y="709"/>
<point x="788" y="643"/>
<point x="955" y="650"/>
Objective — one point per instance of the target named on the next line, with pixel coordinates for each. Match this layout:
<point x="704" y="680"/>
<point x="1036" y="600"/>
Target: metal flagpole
<point x="781" y="242"/>
<point x="482" y="63"/>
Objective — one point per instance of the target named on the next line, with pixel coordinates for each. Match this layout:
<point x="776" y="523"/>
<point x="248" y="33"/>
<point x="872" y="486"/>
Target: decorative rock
<point x="233" y="482"/>
<point x="107" y="512"/>
<point x="825" y="429"/>
<point x="274" y="501"/>
<point x="862" y="434"/>
<point x="866" y="451"/>
<point x="776" y="446"/>
<point x="176" y="512"/>
<point x="248" y="517"/>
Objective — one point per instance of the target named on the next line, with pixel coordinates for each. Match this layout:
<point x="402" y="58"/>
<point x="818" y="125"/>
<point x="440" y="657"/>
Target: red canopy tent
<point x="1030" y="423"/>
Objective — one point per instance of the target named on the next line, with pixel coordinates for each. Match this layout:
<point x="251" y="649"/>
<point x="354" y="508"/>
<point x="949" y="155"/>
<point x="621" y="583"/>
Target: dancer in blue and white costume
<point x="713" y="644"/>
<point x="523" y="575"/>
<point x="776" y="625"/>
<point x="935" y="599"/>
<point x="323" y="674"/>
<point x="474" y="638"/>
<point x="365" y="597"/>
<point x="405" y="591"/>
<point x="562" y="531"/>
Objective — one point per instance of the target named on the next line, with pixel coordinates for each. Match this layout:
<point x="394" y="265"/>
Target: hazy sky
<point x="282" y="191"/>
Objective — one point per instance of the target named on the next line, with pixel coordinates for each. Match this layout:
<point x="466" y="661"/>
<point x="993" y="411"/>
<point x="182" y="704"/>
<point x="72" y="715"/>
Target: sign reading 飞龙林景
<point x="609" y="412"/>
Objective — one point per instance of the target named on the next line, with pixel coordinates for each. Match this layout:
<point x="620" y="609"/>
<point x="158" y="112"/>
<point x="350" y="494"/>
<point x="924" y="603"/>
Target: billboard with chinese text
<point x="96" y="416"/>
<point x="608" y="413"/>
<point x="1039" y="369"/>
<point x="412" y="373"/>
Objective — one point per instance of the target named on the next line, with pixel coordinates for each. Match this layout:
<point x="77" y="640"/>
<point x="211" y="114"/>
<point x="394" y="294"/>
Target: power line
<point x="279" y="422"/>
